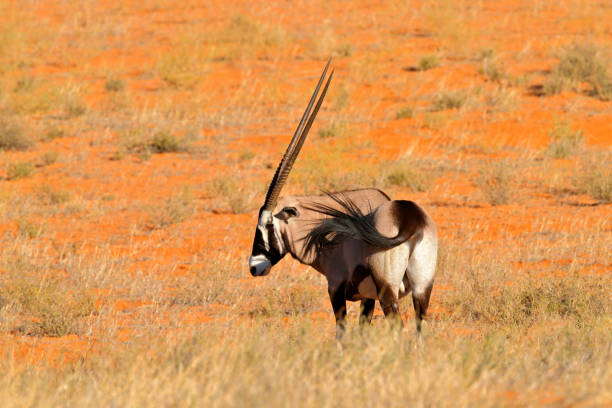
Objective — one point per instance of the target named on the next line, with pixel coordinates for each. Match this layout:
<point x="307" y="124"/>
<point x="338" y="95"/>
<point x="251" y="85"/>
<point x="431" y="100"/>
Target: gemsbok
<point x="367" y="246"/>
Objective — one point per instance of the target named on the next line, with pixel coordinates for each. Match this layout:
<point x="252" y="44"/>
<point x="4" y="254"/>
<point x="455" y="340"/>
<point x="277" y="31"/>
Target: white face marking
<point x="264" y="219"/>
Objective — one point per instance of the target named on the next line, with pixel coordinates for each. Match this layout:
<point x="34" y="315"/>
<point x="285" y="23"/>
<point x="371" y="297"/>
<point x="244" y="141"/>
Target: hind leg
<point x="420" y="302"/>
<point x="389" y="303"/>
<point x="367" y="310"/>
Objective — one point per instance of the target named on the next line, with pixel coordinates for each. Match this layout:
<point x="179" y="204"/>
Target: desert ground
<point x="136" y="145"/>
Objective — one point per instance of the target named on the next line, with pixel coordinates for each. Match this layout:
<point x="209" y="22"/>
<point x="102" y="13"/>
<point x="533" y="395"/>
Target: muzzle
<point x="259" y="265"/>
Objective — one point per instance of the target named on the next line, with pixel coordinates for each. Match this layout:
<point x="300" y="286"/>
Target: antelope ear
<point x="287" y="213"/>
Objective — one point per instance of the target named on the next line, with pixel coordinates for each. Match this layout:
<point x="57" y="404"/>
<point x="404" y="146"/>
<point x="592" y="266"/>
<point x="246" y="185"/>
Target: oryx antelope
<point x="367" y="245"/>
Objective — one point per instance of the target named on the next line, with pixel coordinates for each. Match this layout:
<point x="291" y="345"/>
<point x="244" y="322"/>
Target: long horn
<point x="284" y="167"/>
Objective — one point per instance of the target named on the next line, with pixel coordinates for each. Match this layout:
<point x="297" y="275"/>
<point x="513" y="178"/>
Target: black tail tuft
<point x="346" y="221"/>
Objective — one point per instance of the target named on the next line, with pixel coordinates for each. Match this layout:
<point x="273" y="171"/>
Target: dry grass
<point x="564" y="141"/>
<point x="495" y="181"/>
<point x="581" y="64"/>
<point x="428" y="62"/>
<point x="177" y="208"/>
<point x="217" y="365"/>
<point x="235" y="195"/>
<point x="245" y="36"/>
<point x="144" y="144"/>
<point x="406" y="173"/>
<point x="12" y="134"/>
<point x="403" y="113"/>
<point x="448" y="100"/>
<point x="595" y="179"/>
<point x="19" y="170"/>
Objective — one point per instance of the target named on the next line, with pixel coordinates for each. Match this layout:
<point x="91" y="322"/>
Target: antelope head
<point x="269" y="246"/>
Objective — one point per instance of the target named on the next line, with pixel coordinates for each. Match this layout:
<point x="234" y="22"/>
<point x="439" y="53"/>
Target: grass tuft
<point x="595" y="179"/>
<point x="114" y="85"/>
<point x="403" y="174"/>
<point x="564" y="141"/>
<point x="19" y="170"/>
<point x="578" y="64"/>
<point x="449" y="100"/>
<point x="232" y="191"/>
<point x="163" y="141"/>
<point x="404" y="113"/>
<point x="335" y="130"/>
<point x="12" y="134"/>
<point x="176" y="209"/>
<point x="428" y="62"/>
<point x="495" y="181"/>
<point x="56" y="308"/>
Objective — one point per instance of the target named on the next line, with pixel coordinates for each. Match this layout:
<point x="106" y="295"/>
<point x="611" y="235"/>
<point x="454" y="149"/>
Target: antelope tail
<point x="347" y="221"/>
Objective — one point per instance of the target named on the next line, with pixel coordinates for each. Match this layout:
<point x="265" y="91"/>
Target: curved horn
<point x="284" y="167"/>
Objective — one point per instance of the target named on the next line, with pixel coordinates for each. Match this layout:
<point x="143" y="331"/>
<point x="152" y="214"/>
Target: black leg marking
<point x="338" y="301"/>
<point x="421" y="303"/>
<point x="367" y="310"/>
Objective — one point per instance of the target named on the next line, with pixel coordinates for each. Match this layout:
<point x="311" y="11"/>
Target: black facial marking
<point x="273" y="253"/>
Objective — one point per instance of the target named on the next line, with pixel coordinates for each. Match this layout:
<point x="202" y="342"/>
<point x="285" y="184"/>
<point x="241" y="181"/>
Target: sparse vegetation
<point x="247" y="154"/>
<point x="54" y="133"/>
<point x="564" y="141"/>
<point x="578" y="64"/>
<point x="114" y="85"/>
<point x="335" y="130"/>
<point x="235" y="195"/>
<point x="406" y="112"/>
<point x="434" y="120"/>
<point x="176" y="209"/>
<point x="49" y="195"/>
<point x="449" y="100"/>
<point x="18" y="170"/>
<point x="428" y="62"/>
<point x="405" y="174"/>
<point x="12" y="134"/>
<point x="55" y="308"/>
<point x="495" y="181"/>
<point x="28" y="229"/>
<point x="491" y="70"/>
<point x="595" y="179"/>
<point x="244" y="36"/>
<point x="72" y="102"/>
<point x="162" y="141"/>
<point x="49" y="158"/>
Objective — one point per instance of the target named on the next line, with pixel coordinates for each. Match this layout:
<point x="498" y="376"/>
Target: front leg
<point x="338" y="301"/>
<point x="367" y="310"/>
